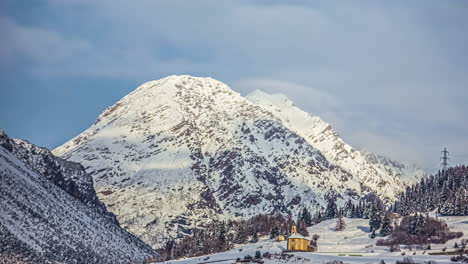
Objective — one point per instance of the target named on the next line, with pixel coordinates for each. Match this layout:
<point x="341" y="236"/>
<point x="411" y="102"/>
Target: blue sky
<point x="390" y="76"/>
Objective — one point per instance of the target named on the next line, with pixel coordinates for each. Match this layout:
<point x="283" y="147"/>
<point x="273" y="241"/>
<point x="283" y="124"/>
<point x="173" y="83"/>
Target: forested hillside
<point x="446" y="191"/>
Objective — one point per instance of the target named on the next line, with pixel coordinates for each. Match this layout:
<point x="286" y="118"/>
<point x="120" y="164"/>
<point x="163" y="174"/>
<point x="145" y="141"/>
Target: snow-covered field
<point x="352" y="245"/>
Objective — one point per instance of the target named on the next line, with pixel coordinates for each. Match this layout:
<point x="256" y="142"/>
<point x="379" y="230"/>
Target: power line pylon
<point x="444" y="158"/>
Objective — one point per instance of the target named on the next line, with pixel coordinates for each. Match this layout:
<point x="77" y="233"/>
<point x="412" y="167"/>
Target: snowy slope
<point x="41" y="222"/>
<point x="181" y="151"/>
<point x="355" y="238"/>
<point x="69" y="176"/>
<point x="352" y="245"/>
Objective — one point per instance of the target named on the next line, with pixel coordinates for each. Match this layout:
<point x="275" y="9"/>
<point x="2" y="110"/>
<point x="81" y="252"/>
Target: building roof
<point x="297" y="236"/>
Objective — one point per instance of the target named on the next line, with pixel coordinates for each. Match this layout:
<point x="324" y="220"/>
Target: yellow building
<point x="280" y="238"/>
<point x="296" y="242"/>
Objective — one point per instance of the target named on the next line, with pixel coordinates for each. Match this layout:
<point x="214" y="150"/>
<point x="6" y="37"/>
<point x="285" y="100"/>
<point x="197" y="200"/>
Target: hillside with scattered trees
<point x="221" y="236"/>
<point x="419" y="230"/>
<point x="445" y="192"/>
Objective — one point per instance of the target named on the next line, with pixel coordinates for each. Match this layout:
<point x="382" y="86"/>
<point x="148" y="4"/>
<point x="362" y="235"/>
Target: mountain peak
<point x="180" y="148"/>
<point x="182" y="81"/>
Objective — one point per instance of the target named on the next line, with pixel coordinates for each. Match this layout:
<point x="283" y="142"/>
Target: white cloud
<point x="391" y="79"/>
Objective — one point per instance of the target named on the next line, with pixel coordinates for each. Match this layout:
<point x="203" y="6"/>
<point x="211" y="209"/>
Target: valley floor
<point x="352" y="245"/>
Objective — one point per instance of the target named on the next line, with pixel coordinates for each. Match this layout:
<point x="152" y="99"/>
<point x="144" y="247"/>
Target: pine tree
<point x="366" y="211"/>
<point x="359" y="210"/>
<point x="340" y="224"/>
<point x="348" y="209"/>
<point x="413" y="225"/>
<point x="386" y="226"/>
<point x="375" y="218"/>
<point x="421" y="223"/>
<point x="254" y="237"/>
<point x="274" y="232"/>
<point x="168" y="247"/>
<point x="222" y="240"/>
<point x="447" y="208"/>
<point x="352" y="212"/>
<point x="417" y="224"/>
<point x="318" y="217"/>
<point x="305" y="217"/>
<point x="331" y="211"/>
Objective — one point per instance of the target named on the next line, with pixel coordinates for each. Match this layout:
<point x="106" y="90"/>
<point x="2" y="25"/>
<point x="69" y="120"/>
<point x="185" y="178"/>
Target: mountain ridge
<point x="321" y="135"/>
<point x="50" y="213"/>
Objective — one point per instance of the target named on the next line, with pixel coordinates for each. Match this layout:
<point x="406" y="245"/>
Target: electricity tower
<point x="444" y="158"/>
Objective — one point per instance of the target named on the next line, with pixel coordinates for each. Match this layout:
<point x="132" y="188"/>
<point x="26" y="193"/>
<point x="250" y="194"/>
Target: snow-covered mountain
<point x="49" y="212"/>
<point x="181" y="151"/>
<point x="321" y="135"/>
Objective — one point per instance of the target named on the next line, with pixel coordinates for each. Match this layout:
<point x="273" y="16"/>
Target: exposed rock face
<point x="49" y="212"/>
<point x="181" y="151"/>
<point x="69" y="176"/>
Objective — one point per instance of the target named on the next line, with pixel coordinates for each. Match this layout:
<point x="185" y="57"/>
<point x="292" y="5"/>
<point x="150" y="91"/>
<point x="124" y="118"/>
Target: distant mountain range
<point x="49" y="212"/>
<point x="182" y="151"/>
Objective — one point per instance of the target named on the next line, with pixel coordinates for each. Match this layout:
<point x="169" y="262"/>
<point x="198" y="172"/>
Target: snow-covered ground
<point x="352" y="245"/>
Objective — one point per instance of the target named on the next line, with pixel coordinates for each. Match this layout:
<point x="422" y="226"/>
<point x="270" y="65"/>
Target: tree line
<point x="446" y="192"/>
